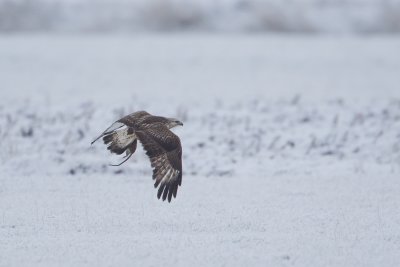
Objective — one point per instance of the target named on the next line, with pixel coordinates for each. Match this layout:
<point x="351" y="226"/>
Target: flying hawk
<point x="161" y="145"/>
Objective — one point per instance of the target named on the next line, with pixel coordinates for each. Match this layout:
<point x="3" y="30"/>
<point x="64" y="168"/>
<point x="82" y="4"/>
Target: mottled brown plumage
<point x="162" y="146"/>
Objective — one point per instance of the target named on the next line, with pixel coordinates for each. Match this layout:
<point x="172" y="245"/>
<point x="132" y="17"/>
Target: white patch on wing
<point x="109" y="130"/>
<point x="122" y="139"/>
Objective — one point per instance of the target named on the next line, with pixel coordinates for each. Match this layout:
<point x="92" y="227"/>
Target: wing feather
<point x="162" y="146"/>
<point x="134" y="119"/>
<point x="120" y="135"/>
<point x="115" y="126"/>
<point x="164" y="149"/>
<point x="119" y="140"/>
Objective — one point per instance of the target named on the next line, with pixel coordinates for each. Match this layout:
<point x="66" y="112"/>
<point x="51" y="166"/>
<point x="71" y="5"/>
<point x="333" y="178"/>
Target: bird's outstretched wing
<point x="120" y="136"/>
<point x="129" y="120"/>
<point x="165" y="152"/>
<point x="119" y="140"/>
<point x="114" y="127"/>
<point x="134" y="119"/>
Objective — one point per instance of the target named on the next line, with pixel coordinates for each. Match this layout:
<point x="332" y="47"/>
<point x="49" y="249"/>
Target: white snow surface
<point x="291" y="151"/>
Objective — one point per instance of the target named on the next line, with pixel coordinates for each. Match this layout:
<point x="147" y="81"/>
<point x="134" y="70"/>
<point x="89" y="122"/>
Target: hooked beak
<point x="180" y="123"/>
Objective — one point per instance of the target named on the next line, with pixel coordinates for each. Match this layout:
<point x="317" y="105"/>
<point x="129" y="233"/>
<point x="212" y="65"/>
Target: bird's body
<point x="161" y="145"/>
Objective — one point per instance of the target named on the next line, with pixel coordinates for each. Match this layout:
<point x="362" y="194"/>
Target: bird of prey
<point x="162" y="146"/>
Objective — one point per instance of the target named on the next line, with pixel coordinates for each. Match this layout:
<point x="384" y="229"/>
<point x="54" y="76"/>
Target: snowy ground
<point x="291" y="151"/>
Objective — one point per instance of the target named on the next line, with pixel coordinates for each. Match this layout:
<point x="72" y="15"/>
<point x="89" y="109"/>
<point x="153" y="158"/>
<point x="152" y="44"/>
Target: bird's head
<point x="173" y="123"/>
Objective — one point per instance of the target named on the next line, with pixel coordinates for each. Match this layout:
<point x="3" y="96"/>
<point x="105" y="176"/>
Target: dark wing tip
<point x="160" y="190"/>
<point x="175" y="190"/>
<point x="116" y="149"/>
<point x="95" y="140"/>
<point x="164" y="197"/>
<point x="167" y="192"/>
<point x="171" y="191"/>
<point x="107" y="138"/>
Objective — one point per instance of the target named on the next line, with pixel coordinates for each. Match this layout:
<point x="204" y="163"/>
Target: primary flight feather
<point x="162" y="146"/>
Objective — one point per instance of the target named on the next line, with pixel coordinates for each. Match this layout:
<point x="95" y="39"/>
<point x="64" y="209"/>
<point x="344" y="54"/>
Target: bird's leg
<point x="126" y="157"/>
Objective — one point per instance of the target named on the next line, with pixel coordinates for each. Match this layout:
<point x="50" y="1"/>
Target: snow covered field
<point x="291" y="150"/>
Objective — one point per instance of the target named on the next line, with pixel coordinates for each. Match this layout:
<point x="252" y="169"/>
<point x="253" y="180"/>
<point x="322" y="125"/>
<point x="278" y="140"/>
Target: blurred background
<point x="290" y="16"/>
<point x="291" y="136"/>
<point x="192" y="50"/>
